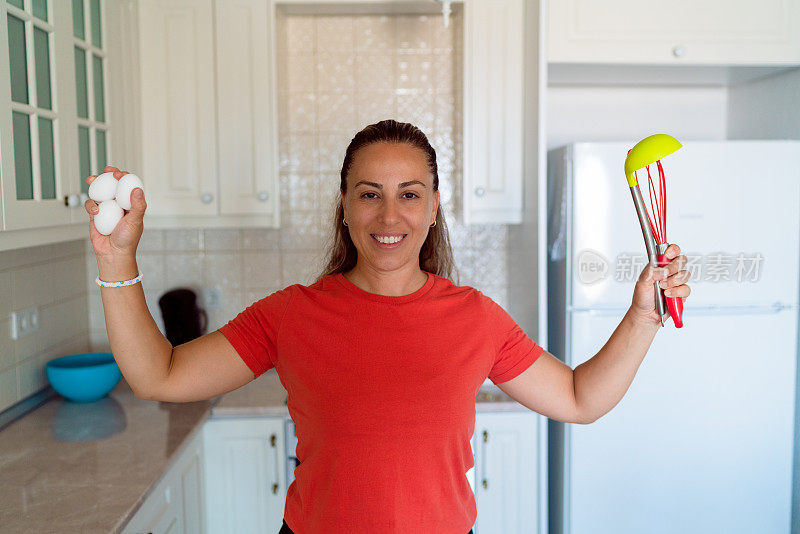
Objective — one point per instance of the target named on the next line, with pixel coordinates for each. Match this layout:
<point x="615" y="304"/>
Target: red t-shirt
<point x="382" y="393"/>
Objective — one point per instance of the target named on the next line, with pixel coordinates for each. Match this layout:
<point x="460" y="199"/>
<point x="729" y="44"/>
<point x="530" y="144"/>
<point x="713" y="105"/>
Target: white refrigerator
<point x="702" y="442"/>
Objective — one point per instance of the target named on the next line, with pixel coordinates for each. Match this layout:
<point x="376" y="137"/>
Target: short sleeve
<point x="254" y="332"/>
<point x="515" y="350"/>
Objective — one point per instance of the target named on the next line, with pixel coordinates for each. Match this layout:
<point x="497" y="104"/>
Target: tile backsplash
<point x="52" y="278"/>
<point x="336" y="74"/>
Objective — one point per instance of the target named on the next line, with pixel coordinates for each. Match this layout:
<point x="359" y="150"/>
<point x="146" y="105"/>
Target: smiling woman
<point x="381" y="349"/>
<point x="382" y="357"/>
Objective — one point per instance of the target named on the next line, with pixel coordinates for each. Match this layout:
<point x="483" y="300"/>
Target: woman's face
<point x="389" y="196"/>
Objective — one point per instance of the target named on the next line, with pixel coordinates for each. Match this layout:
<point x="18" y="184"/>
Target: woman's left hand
<point x="672" y="279"/>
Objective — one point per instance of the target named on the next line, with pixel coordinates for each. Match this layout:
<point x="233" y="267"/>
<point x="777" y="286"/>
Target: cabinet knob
<point x="485" y="436"/>
<point x="263" y="196"/>
<point x="272" y="440"/>
<point x="206" y="198"/>
<point x="72" y="200"/>
<point x="274" y="488"/>
<point x="479" y="191"/>
<point x="485" y="484"/>
<point x="679" y="51"/>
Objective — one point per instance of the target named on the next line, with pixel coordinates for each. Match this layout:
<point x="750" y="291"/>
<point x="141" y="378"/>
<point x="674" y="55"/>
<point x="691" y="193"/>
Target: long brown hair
<point x="436" y="254"/>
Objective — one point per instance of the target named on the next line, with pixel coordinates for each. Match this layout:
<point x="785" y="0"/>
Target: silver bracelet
<point x="119" y="284"/>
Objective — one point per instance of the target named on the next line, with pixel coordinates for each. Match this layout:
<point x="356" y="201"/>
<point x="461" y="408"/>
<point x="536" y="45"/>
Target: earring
<point x="345" y="222"/>
<point x="434" y="224"/>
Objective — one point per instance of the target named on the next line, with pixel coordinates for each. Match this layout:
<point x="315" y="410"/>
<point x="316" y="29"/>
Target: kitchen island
<point x="68" y="467"/>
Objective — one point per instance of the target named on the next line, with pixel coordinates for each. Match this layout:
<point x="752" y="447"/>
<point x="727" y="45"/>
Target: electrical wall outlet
<point x="24" y="322"/>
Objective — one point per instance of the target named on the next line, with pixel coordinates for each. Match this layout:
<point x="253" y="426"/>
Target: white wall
<point x="622" y="113"/>
<point x="768" y="108"/>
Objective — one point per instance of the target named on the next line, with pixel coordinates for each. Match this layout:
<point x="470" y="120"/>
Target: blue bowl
<point x="83" y="377"/>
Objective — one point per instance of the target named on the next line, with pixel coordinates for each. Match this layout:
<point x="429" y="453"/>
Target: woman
<point x="382" y="356"/>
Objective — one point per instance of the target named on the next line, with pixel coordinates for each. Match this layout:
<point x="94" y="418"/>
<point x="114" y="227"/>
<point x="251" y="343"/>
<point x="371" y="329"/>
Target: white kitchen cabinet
<point x="175" y="506"/>
<point x="494" y="92"/>
<point x="89" y="68"/>
<point x="245" y="469"/>
<point x="506" y="472"/>
<point x="191" y="105"/>
<point x="705" y="32"/>
<point x="190" y="182"/>
<point x="248" y="470"/>
<point x="179" y="155"/>
<point x="38" y="128"/>
<point x="247" y="109"/>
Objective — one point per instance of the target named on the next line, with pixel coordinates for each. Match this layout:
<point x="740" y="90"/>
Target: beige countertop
<point x="87" y="468"/>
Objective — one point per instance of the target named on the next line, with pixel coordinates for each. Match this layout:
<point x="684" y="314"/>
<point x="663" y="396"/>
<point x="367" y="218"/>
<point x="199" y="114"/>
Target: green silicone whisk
<point x="646" y="152"/>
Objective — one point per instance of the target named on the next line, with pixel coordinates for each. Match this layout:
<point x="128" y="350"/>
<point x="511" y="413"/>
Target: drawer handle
<point x="679" y="51"/>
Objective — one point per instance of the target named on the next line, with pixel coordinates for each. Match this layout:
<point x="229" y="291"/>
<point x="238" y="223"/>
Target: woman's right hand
<point x="124" y="239"/>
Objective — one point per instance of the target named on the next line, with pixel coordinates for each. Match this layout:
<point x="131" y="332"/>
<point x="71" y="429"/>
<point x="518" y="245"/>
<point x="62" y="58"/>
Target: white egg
<point x="104" y="187"/>
<point x="127" y="184"/>
<point x="108" y="216"/>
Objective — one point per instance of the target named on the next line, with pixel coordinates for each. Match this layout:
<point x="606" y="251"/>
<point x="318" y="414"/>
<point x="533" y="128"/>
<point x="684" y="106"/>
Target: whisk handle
<point x="674" y="304"/>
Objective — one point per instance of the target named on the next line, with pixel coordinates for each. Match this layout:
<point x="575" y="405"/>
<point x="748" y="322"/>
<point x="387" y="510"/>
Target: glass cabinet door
<point x="36" y="114"/>
<point x="54" y="118"/>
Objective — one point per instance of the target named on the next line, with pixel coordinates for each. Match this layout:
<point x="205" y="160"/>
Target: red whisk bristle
<point x="647" y="213"/>
<point x="658" y="203"/>
<point x="654" y="207"/>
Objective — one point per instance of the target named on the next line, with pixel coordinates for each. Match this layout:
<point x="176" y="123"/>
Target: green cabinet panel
<point x="41" y="49"/>
<point x="97" y="34"/>
<point x="17" y="55"/>
<point x="100" y="143"/>
<point x="77" y="20"/>
<point x="47" y="158"/>
<point x="40" y="9"/>
<point x="23" y="169"/>
<point x="80" y="82"/>
<point x="99" y="96"/>
<point x="85" y="157"/>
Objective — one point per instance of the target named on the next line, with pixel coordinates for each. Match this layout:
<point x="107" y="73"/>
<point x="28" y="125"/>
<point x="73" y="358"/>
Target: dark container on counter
<point x="184" y="320"/>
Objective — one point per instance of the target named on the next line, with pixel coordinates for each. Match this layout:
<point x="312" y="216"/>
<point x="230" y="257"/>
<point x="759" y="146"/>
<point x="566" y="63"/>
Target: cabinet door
<point x="160" y="513"/>
<point x="682" y="31"/>
<point x="493" y="110"/>
<point x="188" y="477"/>
<point x="245" y="467"/>
<point x="506" y="473"/>
<point x="247" y="116"/>
<point x="175" y="505"/>
<point x="179" y="154"/>
<point x="37" y="116"/>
